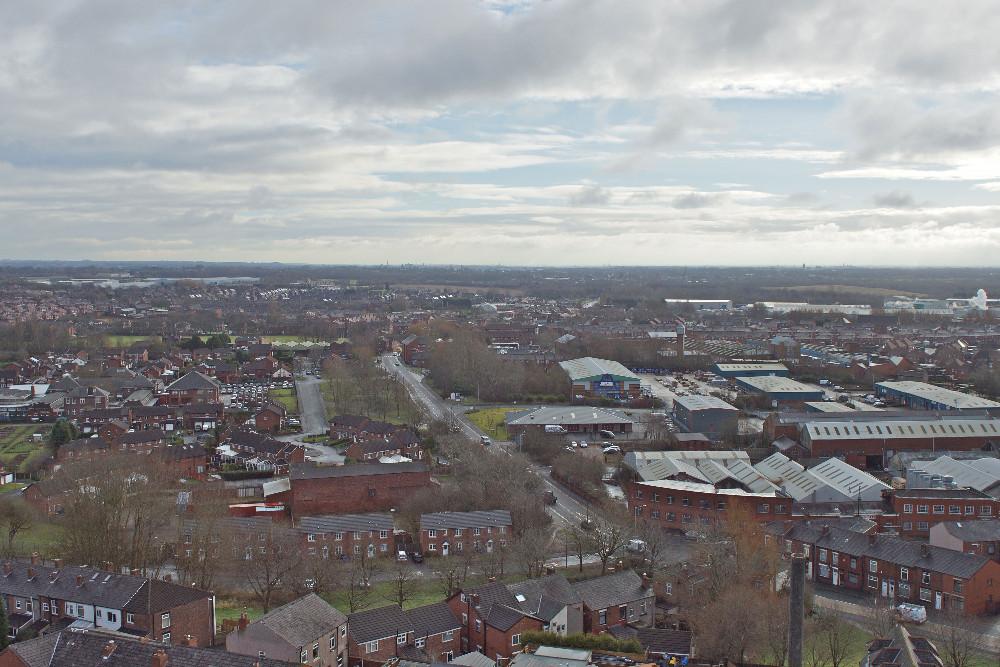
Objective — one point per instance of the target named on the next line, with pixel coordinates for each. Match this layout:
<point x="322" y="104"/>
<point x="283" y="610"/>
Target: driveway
<point x="312" y="412"/>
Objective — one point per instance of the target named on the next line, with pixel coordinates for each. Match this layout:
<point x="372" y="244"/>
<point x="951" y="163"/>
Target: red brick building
<point x="350" y="535"/>
<point x="893" y="568"/>
<point x="454" y="533"/>
<point x="423" y="634"/>
<point x="193" y="387"/>
<point x="918" y="510"/>
<point x="45" y="593"/>
<point x="972" y="537"/>
<point x="679" y="505"/>
<point x="84" y="399"/>
<point x="622" y="598"/>
<point x="353" y="489"/>
<point x="492" y="620"/>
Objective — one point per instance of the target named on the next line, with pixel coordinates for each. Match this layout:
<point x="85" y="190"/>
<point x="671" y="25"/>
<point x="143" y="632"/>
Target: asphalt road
<point x="312" y="412"/>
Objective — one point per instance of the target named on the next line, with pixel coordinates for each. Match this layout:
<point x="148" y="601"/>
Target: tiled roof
<point x="545" y="597"/>
<point x="987" y="530"/>
<point x="303" y="621"/>
<point x="194" y="380"/>
<point x="380" y="623"/>
<point x="432" y="619"/>
<point x="345" y="523"/>
<point x="309" y="471"/>
<point x="612" y="590"/>
<point x="476" y="519"/>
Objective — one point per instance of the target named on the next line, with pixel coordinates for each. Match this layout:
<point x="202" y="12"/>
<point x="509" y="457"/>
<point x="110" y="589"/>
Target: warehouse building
<point x="923" y="396"/>
<point x="575" y="419"/>
<point x="592" y="377"/>
<point x="760" y="369"/>
<point x="705" y="414"/>
<point x="700" y="304"/>
<point x="780" y="389"/>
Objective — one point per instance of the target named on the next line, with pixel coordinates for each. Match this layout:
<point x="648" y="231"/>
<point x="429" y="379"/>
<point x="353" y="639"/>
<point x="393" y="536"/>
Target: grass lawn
<point x="16" y="442"/>
<point x="125" y="341"/>
<point x="409" y="414"/>
<point x="286" y="339"/>
<point x="287" y="398"/>
<point x="426" y="592"/>
<point x="228" y="609"/>
<point x="42" y="536"/>
<point x="491" y="421"/>
<point x="13" y="486"/>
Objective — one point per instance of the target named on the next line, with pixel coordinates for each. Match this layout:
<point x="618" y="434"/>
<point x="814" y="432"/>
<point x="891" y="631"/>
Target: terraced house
<point x="448" y="533"/>
<point x="427" y="634"/>
<point x="893" y="568"/>
<point x="347" y="535"/>
<point x="39" y="594"/>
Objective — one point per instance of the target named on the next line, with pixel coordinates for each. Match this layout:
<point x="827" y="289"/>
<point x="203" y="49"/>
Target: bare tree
<point x="775" y="631"/>
<point x="575" y="540"/>
<point x="608" y="536"/>
<point x="531" y="550"/>
<point x="815" y="652"/>
<point x="316" y="574"/>
<point x="15" y="517"/>
<point x="204" y="550"/>
<point x="958" y="640"/>
<point x="267" y="564"/>
<point x="403" y="584"/>
<point x="359" y="582"/>
<point x="836" y="635"/>
<point x="880" y="619"/>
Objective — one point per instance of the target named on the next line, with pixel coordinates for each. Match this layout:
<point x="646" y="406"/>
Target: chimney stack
<point x="647" y="581"/>
<point x="825" y="530"/>
<point x="159" y="659"/>
<point x="57" y="563"/>
<point x="135" y="572"/>
<point x="925" y="551"/>
<point x="796" y="610"/>
<point x="79" y="580"/>
<point x="871" y="538"/>
<point x="108" y="649"/>
<point x="35" y="558"/>
<point x="243" y="622"/>
<point x="7" y="568"/>
<point x="191" y="641"/>
<point x="53" y="576"/>
<point x="31" y="573"/>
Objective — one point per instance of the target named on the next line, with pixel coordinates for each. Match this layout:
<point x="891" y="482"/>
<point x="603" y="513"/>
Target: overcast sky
<point x="518" y="132"/>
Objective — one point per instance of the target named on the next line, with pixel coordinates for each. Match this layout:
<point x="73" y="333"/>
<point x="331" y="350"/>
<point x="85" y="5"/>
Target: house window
<point x="45" y="606"/>
<point x="939" y="509"/>
<point x="383" y="534"/>
<point x="923" y="525"/>
<point x="458" y="532"/>
<point x="448" y="636"/>
<point x="357" y="534"/>
<point x="602" y="617"/>
<point x="311" y="537"/>
<point x="419" y="642"/>
<point x="873" y="565"/>
<point x="165" y="620"/>
<point x="261" y="654"/>
<point x="371" y="493"/>
<point x="763" y="508"/>
<point x="333" y="642"/>
<point x="432" y="533"/>
<point x="357" y="549"/>
<point x="904" y="574"/>
<point x="384" y="548"/>
<point x="476" y="531"/>
<point x="954" y="509"/>
<point x="907" y="526"/>
<point x="449" y="656"/>
<point x="925" y="594"/>
<point x="822" y="555"/>
<point x="925" y="578"/>
<point x="686" y="502"/>
<point x="985" y="510"/>
<point x="907" y="508"/>
<point x="432" y="547"/>
<point x="958" y="586"/>
<point x="638" y="493"/>
<point x="166" y="637"/>
<point x="622" y="611"/>
<point x="670" y="500"/>
<point x="721" y="505"/>
<point x="112" y="617"/>
<point x="970" y="509"/>
<point x="656" y="514"/>
<point x="515" y="640"/>
<point x="338" y="536"/>
<point x="371" y="647"/>
<point x="479" y="625"/>
<point x="921" y="509"/>
<point x="872" y="581"/>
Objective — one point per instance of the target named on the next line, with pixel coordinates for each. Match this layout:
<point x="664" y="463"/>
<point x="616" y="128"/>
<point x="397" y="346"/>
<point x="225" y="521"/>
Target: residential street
<point x="312" y="412"/>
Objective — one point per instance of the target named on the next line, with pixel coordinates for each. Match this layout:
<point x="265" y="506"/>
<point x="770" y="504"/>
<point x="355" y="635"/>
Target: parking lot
<point x="250" y="396"/>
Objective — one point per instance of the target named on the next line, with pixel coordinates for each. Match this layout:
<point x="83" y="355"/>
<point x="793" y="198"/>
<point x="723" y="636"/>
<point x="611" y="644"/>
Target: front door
<point x="937" y="601"/>
<point x="836" y="577"/>
<point x="892" y="588"/>
<point x="885" y="588"/>
<point x="444" y="549"/>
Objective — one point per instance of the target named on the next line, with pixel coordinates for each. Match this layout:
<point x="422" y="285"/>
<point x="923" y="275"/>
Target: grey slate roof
<point x="380" y="623"/>
<point x="36" y="652"/>
<point x="303" y="621"/>
<point x="473" y="659"/>
<point x="612" y="590"/>
<point x="194" y="380"/>
<point x="85" y="649"/>
<point x="308" y="471"/>
<point x="477" y="519"/>
<point x="885" y="548"/>
<point x="432" y="619"/>
<point x="345" y="523"/>
<point x="973" y="531"/>
<point x="498" y="607"/>
<point x="656" y="640"/>
<point x="545" y="597"/>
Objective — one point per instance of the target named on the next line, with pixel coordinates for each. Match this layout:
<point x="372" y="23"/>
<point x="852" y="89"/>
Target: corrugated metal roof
<point x="892" y="429"/>
<point x="591" y="367"/>
<point x="930" y="392"/>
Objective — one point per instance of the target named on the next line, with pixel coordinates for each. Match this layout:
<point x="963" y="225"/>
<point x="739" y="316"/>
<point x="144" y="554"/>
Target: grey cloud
<point x="697" y="200"/>
<point x="590" y="195"/>
<point x="895" y="199"/>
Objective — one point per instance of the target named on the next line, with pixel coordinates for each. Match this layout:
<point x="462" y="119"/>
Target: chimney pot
<point x="925" y="550"/>
<point x="243" y="622"/>
<point x="79" y="580"/>
<point x="191" y="641"/>
<point x="31" y="573"/>
<point x="35" y="558"/>
<point x="159" y="659"/>
<point x="57" y="563"/>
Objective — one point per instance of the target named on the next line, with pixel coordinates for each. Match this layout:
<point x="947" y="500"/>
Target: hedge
<point x="584" y="641"/>
<point x="236" y="475"/>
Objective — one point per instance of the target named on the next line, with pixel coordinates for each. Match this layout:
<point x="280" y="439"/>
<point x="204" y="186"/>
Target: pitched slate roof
<point x="612" y="590"/>
<point x="432" y="619"/>
<point x="86" y="649"/>
<point x="36" y="652"/>
<point x="301" y="622"/>
<point x="194" y="380"/>
<point x="476" y="519"/>
<point x="973" y="531"/>
<point x="656" y="640"/>
<point x="545" y="597"/>
<point x="381" y="623"/>
<point x="497" y="606"/>
<point x="345" y="523"/>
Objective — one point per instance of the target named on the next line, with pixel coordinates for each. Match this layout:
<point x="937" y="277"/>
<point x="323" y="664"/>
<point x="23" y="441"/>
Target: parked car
<point x="612" y="449"/>
<point x="583" y="444"/>
<point x="401" y="555"/>
<point x="485" y="439"/>
<point x="549" y="497"/>
<point x="417" y="557"/>
<point x="635" y="546"/>
<point x="608" y="434"/>
<point x="907" y="612"/>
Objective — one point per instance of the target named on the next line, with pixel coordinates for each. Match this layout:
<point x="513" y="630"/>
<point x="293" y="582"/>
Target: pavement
<point x="312" y="412"/>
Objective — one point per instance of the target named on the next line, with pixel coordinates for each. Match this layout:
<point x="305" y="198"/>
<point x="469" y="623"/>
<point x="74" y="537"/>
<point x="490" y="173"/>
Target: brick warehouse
<point x="354" y="489"/>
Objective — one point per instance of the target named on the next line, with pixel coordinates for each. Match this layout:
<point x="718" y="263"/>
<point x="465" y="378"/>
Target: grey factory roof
<point x="345" y="523"/>
<point x="475" y="519"/>
<point x="697" y="402"/>
<point x="893" y="429"/>
<point x="828" y="406"/>
<point x="302" y="621"/>
<point x="612" y="590"/>
<point x="933" y="393"/>
<point x="577" y="414"/>
<point x="973" y="531"/>
<point x="586" y="368"/>
<point x="770" y="384"/>
<point x="846" y="478"/>
<point x="751" y="367"/>
<point x="979" y="474"/>
<point x="662" y="464"/>
<point x="309" y="471"/>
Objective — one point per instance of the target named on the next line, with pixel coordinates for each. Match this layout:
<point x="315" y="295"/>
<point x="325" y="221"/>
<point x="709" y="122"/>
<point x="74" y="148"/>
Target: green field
<point x="16" y="443"/>
<point x="491" y="421"/>
<point x="287" y="398"/>
<point x="114" y="340"/>
<point x="286" y="339"/>
<point x="41" y="536"/>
